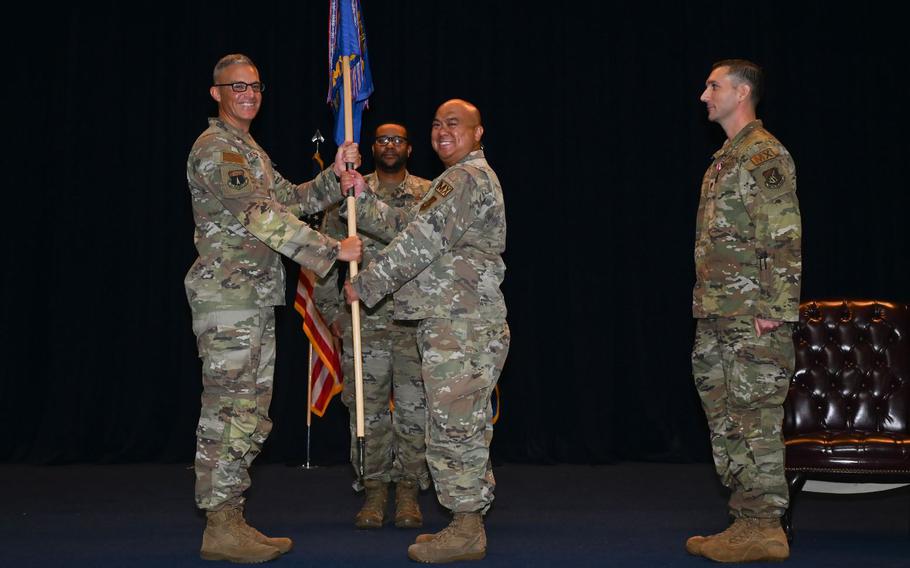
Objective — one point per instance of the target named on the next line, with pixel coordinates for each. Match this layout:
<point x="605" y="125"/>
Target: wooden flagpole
<point x="352" y="272"/>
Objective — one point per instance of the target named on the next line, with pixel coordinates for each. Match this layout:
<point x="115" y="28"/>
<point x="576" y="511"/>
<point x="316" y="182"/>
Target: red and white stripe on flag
<point x="325" y="371"/>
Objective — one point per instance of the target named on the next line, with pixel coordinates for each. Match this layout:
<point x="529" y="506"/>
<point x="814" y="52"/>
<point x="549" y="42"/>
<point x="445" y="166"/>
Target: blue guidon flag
<point x="347" y="36"/>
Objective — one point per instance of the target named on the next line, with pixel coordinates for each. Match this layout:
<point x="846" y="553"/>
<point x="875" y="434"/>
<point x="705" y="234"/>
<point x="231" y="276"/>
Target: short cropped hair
<point x="392" y="123"/>
<point x="231" y="59"/>
<point x="743" y="70"/>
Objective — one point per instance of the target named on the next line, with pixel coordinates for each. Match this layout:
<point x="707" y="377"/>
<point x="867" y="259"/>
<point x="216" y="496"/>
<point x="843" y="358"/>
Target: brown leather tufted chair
<point x="847" y="413"/>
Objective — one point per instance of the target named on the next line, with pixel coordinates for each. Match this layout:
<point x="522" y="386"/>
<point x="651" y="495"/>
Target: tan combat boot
<point x="427" y="537"/>
<point x="372" y="513"/>
<point x="463" y="539"/>
<point x="227" y="537"/>
<point x="283" y="544"/>
<point x="695" y="544"/>
<point x="760" y="540"/>
<point x="407" y="511"/>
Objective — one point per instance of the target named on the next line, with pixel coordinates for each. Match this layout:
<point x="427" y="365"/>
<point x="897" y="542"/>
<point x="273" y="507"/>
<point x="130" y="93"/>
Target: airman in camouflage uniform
<point x="445" y="268"/>
<point x="245" y="215"/>
<point x="395" y="437"/>
<point x="748" y="269"/>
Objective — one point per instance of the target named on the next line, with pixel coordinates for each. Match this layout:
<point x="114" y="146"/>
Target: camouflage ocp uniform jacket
<point x="747" y="236"/>
<point x="445" y="261"/>
<point x="329" y="298"/>
<point x="245" y="212"/>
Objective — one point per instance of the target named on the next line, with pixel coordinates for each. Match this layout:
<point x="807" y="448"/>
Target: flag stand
<point x="352" y="272"/>
<point x="309" y="406"/>
<point x="317" y="138"/>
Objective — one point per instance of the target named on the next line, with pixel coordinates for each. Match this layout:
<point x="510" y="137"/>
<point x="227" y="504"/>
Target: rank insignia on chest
<point x="773" y="178"/>
<point x="444" y="189"/>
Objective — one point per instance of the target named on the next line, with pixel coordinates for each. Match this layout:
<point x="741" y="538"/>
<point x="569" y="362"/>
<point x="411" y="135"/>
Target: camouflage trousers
<point x="237" y="349"/>
<point x="461" y="361"/>
<point x="742" y="381"/>
<point x="395" y="438"/>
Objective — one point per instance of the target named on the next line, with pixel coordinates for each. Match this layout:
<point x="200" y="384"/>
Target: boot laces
<point x="445" y="534"/>
<point x="238" y="526"/>
<point x="747" y="529"/>
<point x="450" y="532"/>
<point x="406" y="496"/>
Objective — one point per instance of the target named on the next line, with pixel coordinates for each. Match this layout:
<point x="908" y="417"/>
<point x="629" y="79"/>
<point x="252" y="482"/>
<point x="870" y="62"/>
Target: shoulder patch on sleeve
<point x="773" y="178"/>
<point x="232" y="157"/>
<point x="443" y="188"/>
<point x="225" y="157"/>
<point x="764" y="155"/>
<point x="428" y="203"/>
<point x="236" y="180"/>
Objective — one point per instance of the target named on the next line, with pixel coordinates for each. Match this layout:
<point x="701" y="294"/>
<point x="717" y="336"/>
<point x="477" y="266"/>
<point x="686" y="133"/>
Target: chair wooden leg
<point x="795" y="482"/>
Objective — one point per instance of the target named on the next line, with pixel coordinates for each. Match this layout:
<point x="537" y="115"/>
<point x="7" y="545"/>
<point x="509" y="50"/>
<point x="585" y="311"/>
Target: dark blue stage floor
<point x="633" y="514"/>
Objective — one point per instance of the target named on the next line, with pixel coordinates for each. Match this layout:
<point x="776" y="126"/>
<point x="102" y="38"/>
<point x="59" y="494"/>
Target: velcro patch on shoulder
<point x="764" y="156"/>
<point x="236" y="180"/>
<point x="428" y="203"/>
<point x="773" y="178"/>
<point x="231" y="158"/>
<point x="444" y="188"/>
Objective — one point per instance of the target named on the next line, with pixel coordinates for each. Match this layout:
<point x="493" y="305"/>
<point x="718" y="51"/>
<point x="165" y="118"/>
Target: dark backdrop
<point x="592" y="122"/>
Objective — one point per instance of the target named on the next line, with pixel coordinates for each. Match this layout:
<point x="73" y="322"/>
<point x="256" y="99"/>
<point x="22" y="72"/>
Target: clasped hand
<point x="348" y="153"/>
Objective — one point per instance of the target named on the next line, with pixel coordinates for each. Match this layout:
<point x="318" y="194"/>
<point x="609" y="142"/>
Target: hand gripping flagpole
<point x="352" y="272"/>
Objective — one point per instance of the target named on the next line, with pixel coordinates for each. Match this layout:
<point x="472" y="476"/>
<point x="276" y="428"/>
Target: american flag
<point x="325" y="368"/>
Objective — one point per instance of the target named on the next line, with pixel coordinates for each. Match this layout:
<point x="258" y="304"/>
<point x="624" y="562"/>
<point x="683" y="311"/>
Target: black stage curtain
<point x="593" y="124"/>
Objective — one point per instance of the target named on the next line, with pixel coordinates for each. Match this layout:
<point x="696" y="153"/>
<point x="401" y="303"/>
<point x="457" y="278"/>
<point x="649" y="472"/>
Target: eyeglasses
<point x="240" y="86"/>
<point x="396" y="140"/>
